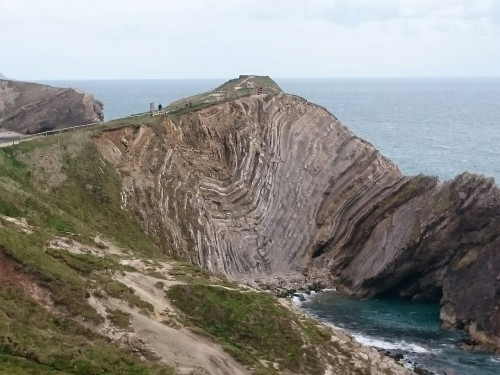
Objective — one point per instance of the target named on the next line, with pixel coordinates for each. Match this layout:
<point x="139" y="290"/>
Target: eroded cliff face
<point x="30" y="108"/>
<point x="273" y="184"/>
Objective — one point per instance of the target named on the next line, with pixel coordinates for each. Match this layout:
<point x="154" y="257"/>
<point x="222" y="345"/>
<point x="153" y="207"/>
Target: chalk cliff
<point x="30" y="108"/>
<point x="275" y="185"/>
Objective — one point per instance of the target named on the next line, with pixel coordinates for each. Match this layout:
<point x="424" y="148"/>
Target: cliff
<point x="84" y="290"/>
<point x="29" y="108"/>
<point x="274" y="186"/>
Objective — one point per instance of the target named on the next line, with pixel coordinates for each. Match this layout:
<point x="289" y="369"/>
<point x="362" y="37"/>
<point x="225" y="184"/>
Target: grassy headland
<point x="81" y="283"/>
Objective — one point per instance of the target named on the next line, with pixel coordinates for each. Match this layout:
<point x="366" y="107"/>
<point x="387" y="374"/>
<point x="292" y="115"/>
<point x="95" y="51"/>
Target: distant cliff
<point x="30" y="108"/>
<point x="272" y="185"/>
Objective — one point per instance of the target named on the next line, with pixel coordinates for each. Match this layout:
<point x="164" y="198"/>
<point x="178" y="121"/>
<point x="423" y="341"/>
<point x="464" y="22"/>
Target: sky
<point x="126" y="39"/>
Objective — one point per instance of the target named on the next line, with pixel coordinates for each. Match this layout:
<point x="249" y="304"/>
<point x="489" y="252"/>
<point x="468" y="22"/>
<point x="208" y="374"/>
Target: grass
<point x="119" y="318"/>
<point x="188" y="272"/>
<point x="119" y="290"/>
<point x="91" y="193"/>
<point x="192" y="273"/>
<point x="252" y="326"/>
<point x="68" y="289"/>
<point x="14" y="365"/>
<point x="154" y="273"/>
<point x="85" y="263"/>
<point x="160" y="284"/>
<point x="133" y="121"/>
<point x="12" y="167"/>
<point x="268" y="85"/>
<point x="232" y="89"/>
<point x="60" y="225"/>
<point x="33" y="341"/>
<point x="86" y="203"/>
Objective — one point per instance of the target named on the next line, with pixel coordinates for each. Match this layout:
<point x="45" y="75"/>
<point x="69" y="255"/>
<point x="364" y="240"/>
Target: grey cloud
<point x="215" y="38"/>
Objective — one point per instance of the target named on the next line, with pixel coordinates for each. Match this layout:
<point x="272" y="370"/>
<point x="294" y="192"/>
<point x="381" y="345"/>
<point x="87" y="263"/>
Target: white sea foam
<point x="388" y="345"/>
<point x="297" y="301"/>
<point x="408" y="366"/>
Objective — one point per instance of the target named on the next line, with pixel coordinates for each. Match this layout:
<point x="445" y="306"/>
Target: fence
<point x="12" y="140"/>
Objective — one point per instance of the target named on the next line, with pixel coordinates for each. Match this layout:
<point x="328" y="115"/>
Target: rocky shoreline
<point x="380" y="359"/>
<point x="298" y="297"/>
<point x="267" y="189"/>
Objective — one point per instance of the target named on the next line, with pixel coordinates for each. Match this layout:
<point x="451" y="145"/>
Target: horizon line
<point x="276" y="78"/>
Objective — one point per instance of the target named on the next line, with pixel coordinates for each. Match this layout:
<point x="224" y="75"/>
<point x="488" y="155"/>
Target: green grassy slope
<point x="62" y="187"/>
<point x="32" y="339"/>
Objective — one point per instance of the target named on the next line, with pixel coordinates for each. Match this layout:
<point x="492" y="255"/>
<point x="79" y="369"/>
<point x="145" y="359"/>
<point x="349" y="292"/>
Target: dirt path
<point x="161" y="333"/>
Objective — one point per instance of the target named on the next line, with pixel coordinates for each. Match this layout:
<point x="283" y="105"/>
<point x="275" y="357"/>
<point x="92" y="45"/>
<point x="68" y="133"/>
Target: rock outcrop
<point x="30" y="108"/>
<point x="272" y="184"/>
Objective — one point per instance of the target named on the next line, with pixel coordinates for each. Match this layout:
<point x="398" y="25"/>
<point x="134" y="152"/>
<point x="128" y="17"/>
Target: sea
<point x="434" y="126"/>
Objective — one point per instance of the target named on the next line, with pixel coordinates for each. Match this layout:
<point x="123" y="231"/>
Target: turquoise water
<point x="438" y="126"/>
<point x="411" y="329"/>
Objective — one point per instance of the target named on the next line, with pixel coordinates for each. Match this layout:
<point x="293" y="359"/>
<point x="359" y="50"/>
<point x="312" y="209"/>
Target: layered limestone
<point x="29" y="108"/>
<point x="275" y="185"/>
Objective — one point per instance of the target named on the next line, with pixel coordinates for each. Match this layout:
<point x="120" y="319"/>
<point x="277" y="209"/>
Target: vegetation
<point x="91" y="193"/>
<point x="119" y="290"/>
<point x="191" y="273"/>
<point x="119" y="318"/>
<point x="160" y="284"/>
<point x="235" y="88"/>
<point x="67" y="288"/>
<point x="268" y="85"/>
<point x="34" y="341"/>
<point x="87" y="202"/>
<point x="85" y="263"/>
<point x="61" y="187"/>
<point x="252" y="326"/>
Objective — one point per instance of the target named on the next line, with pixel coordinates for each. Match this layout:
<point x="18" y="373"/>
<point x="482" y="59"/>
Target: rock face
<point x="30" y="108"/>
<point x="272" y="184"/>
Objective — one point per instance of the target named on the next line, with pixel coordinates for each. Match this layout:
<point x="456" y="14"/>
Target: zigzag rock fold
<point x="275" y="185"/>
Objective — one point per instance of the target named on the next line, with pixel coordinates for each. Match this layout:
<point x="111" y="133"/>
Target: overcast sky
<point x="84" y="39"/>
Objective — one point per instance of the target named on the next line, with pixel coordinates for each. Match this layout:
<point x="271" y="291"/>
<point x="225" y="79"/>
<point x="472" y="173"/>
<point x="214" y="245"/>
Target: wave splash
<point x="388" y="345"/>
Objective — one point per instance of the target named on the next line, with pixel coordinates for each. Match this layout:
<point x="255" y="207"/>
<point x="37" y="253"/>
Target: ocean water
<point x="401" y="327"/>
<point x="125" y="97"/>
<point x="435" y="126"/>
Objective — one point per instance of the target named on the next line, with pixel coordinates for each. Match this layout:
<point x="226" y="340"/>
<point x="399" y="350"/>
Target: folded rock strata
<point x="29" y="108"/>
<point x="272" y="184"/>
